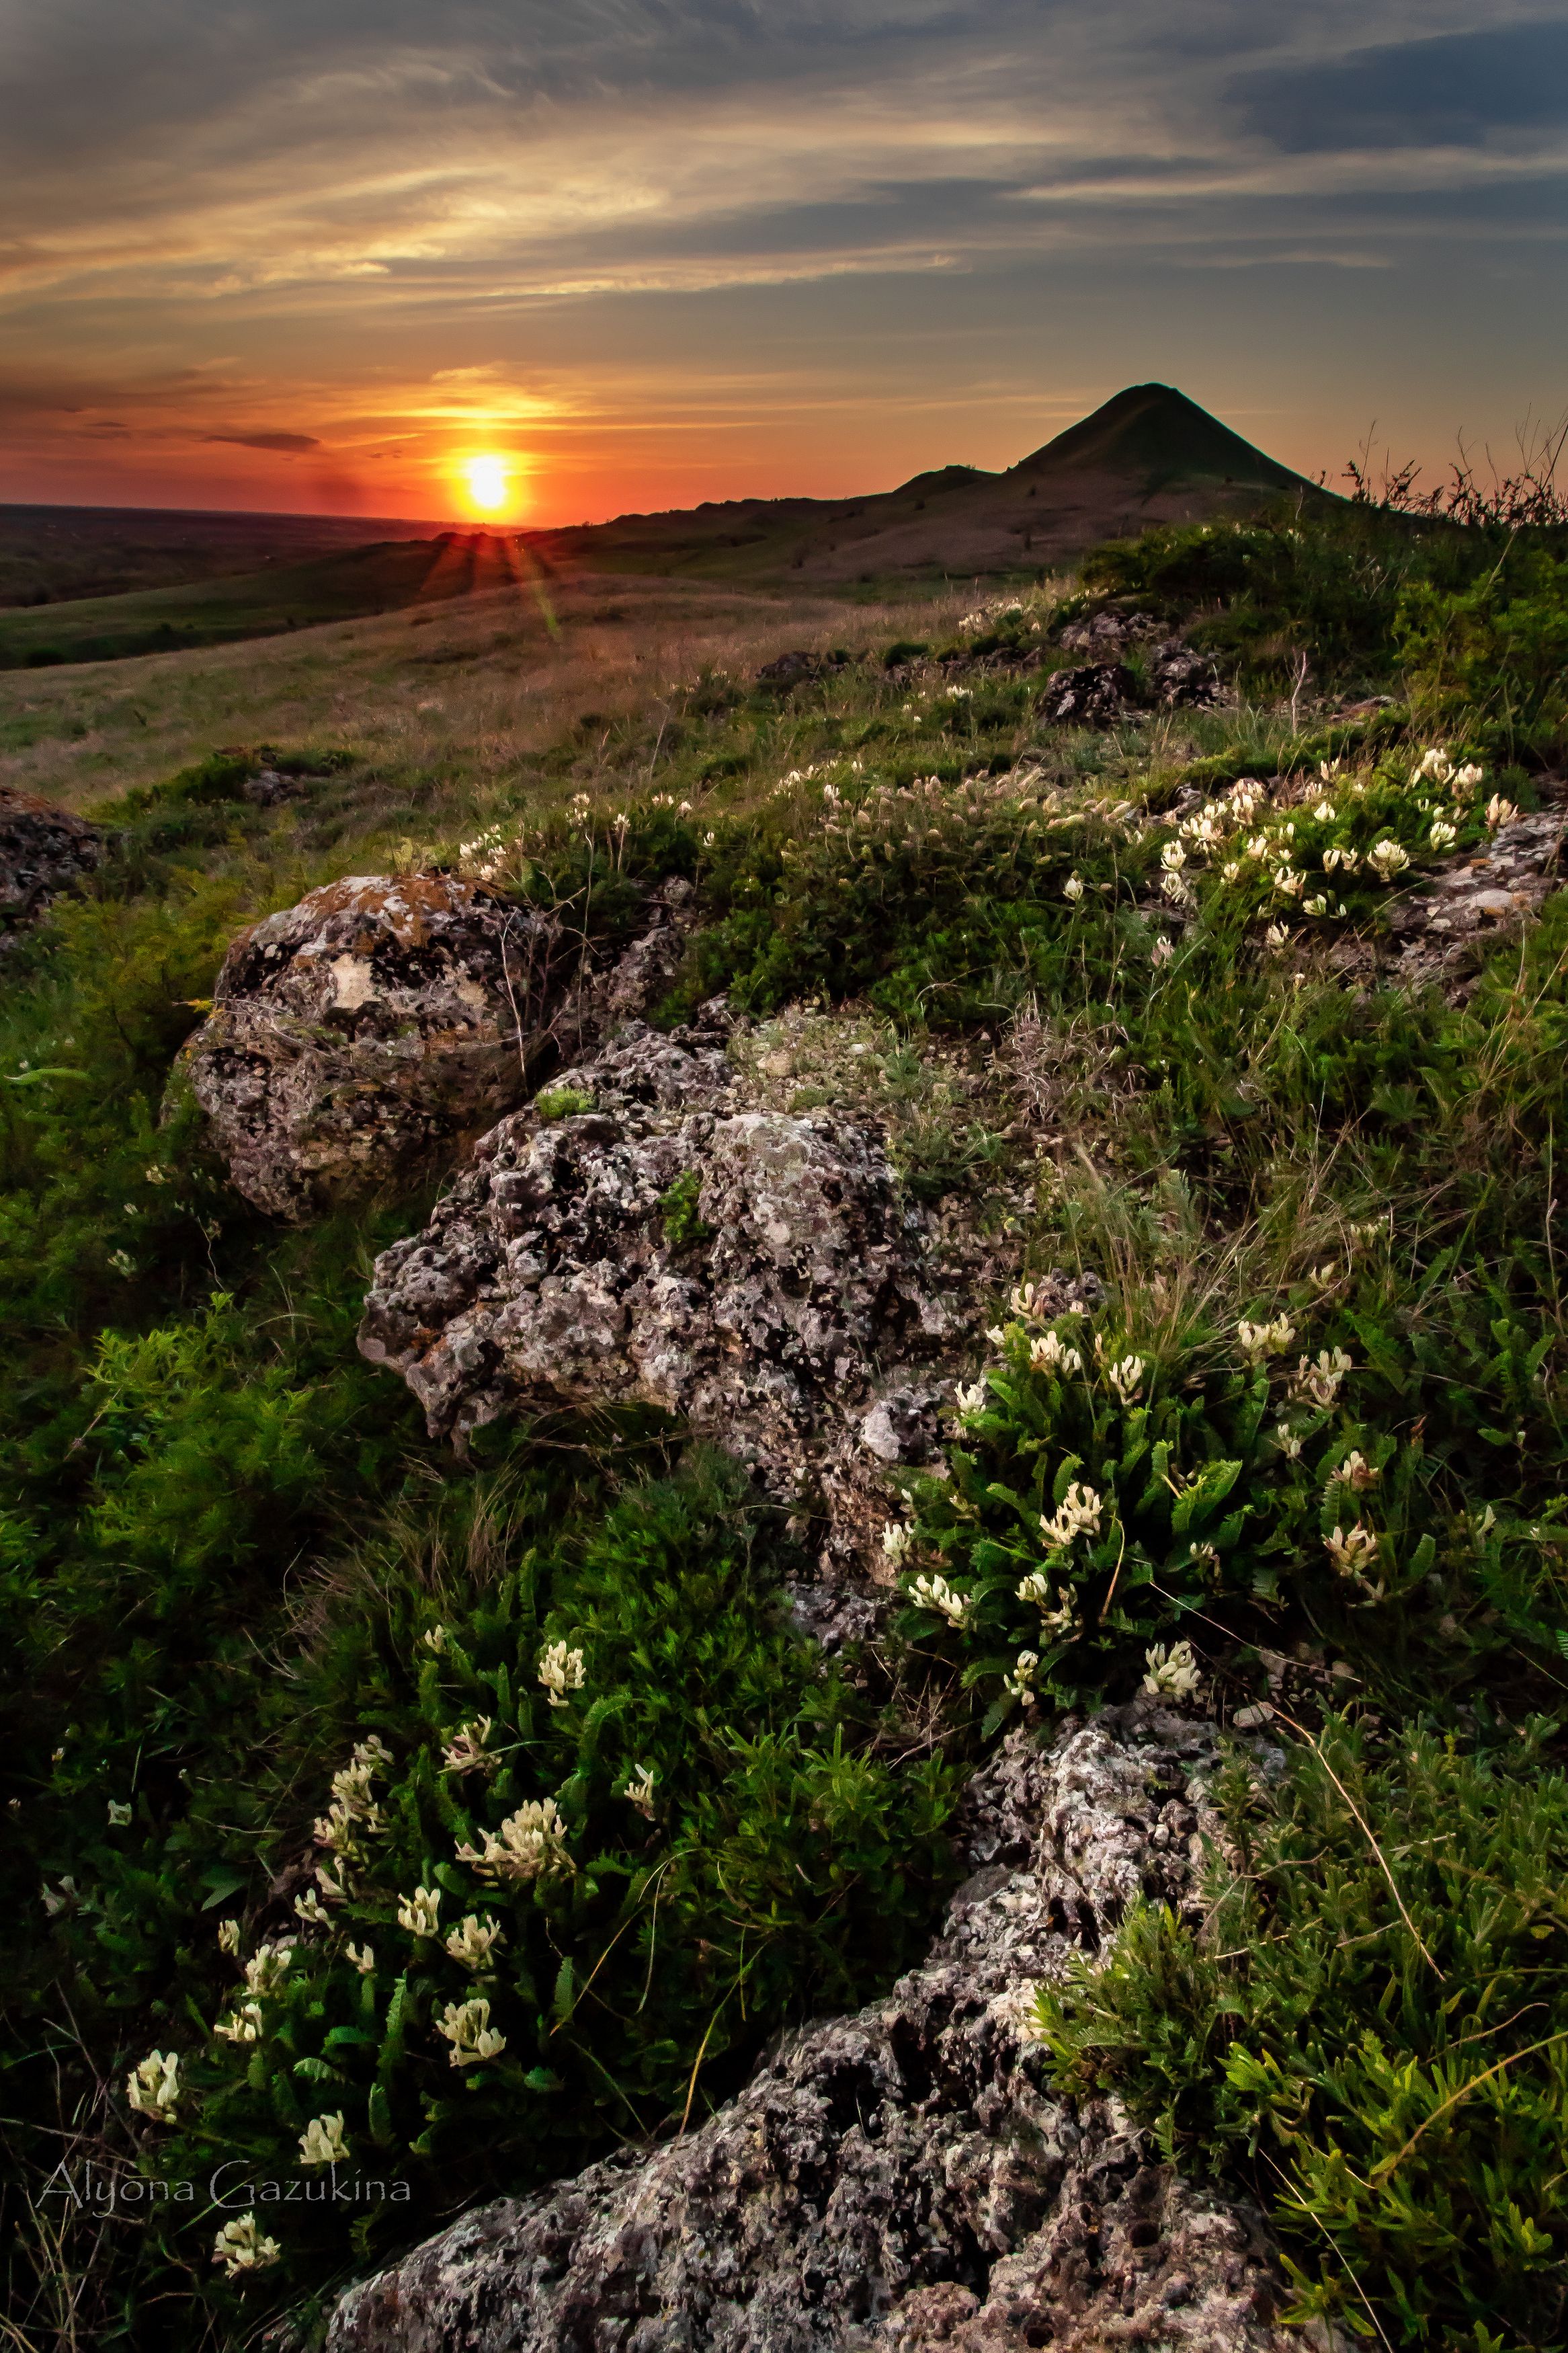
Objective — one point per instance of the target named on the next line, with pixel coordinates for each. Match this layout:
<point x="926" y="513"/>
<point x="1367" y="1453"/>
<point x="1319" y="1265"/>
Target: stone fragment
<point x="352" y="1037"/>
<point x="902" y="2179"/>
<point x="1180" y="680"/>
<point x="43" y="850"/>
<point x="761" y="1276"/>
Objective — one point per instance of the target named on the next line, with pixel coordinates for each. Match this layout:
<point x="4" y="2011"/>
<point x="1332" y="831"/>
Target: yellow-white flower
<point x="1318" y="1382"/>
<point x="1230" y="871"/>
<point x="361" y="1956"/>
<point x="530" y="1844"/>
<point x="1355" y="1471"/>
<point x="420" y="1913"/>
<point x="1020" y="1683"/>
<point x="321" y="2142"/>
<point x="560" y="1670"/>
<point x="934" y="1593"/>
<point x="1259" y="1340"/>
<point x="266" y="1970"/>
<point x="1126" y="1378"/>
<point x="1436" y="765"/>
<point x="153" y="2086"/>
<point x="1466" y="778"/>
<point x="119" y="1814"/>
<point x="970" y="1397"/>
<point x="1289" y="880"/>
<point x="1161" y="952"/>
<point x="466" y="1750"/>
<point x="1172" y="1674"/>
<point x="1351" y="1550"/>
<point x="309" y="1908"/>
<point x="1050" y="1354"/>
<point x="1173" y="857"/>
<point x="897" y="1541"/>
<point x="1500" y="812"/>
<point x="638" y="1791"/>
<point x="228" y="1936"/>
<point x="467" y="2027"/>
<point x="1324" y="813"/>
<point x="1443" y="834"/>
<point x="1073" y="888"/>
<point x="1077" y="1514"/>
<point x="240" y="2247"/>
<point x="1387" y="859"/>
<point x="1276" y="936"/>
<point x="244" y="2024"/>
<point x="473" y="1942"/>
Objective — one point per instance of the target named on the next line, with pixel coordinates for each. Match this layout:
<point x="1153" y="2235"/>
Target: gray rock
<point x="354" y="1034"/>
<point x="1471" y="899"/>
<point x="760" y="1275"/>
<point x="1106" y="634"/>
<point x="1180" y="680"/>
<point x="43" y="851"/>
<point x="901" y="2179"/>
<point x="1095" y="696"/>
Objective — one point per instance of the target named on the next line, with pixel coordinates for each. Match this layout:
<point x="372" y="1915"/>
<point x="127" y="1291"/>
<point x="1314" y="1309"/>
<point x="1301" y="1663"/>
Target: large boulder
<point x="353" y="1035"/>
<point x="898" y="2181"/>
<point x="43" y="850"/>
<point x="640" y="1235"/>
<point x="1096" y="695"/>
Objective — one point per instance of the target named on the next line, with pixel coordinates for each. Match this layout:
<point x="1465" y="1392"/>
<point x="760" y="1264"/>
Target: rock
<point x="1441" y="928"/>
<point x="901" y="2179"/>
<point x="267" y="786"/>
<point x="354" y="1034"/>
<point x="1095" y="696"/>
<point x="43" y="850"/>
<point x="761" y="1276"/>
<point x="1180" y="680"/>
<point x="798" y="668"/>
<point x="1106" y="634"/>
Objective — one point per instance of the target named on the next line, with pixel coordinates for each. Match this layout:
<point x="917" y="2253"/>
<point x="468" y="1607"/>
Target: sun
<point x="489" y="483"/>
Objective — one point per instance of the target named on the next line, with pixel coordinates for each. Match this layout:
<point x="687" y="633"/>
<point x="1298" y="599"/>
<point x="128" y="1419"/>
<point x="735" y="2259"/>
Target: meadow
<point x="1305" y="1461"/>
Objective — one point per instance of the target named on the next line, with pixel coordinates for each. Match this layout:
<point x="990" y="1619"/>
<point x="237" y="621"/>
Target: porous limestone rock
<point x="43" y="850"/>
<point x="902" y="2179"/>
<point x="761" y="1276"/>
<point x="1094" y="696"/>
<point x="1107" y="634"/>
<point x="1471" y="899"/>
<point x="1180" y="680"/>
<point x="351" y="1036"/>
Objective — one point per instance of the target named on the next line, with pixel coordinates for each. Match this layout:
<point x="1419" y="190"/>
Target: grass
<point x="1312" y="1427"/>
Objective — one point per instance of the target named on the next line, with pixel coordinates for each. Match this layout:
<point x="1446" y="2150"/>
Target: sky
<point x="324" y="255"/>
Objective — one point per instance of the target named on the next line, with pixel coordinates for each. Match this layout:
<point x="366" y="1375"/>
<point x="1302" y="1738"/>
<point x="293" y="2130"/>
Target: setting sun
<point x="489" y="483"/>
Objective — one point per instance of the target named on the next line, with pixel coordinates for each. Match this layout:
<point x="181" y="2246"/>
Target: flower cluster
<point x="467" y="2027"/>
<point x="560" y="1670"/>
<point x="240" y="2247"/>
<point x="530" y="1844"/>
<point x="153" y="2086"/>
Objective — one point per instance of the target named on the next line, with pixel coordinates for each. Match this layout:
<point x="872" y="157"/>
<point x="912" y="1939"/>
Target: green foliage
<point x="683" y="1223"/>
<point x="562" y="1103"/>
<point x="1371" y="2020"/>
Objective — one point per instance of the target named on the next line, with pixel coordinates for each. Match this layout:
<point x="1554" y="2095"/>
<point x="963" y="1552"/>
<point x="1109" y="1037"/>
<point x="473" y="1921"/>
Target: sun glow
<point x="489" y="483"/>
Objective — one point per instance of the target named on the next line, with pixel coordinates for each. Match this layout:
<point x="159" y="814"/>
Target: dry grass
<point x="459" y="691"/>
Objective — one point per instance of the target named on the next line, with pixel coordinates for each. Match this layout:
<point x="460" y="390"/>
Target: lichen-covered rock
<point x="1105" y="635"/>
<point x="352" y="1035"/>
<point x="1180" y="680"/>
<point x="1470" y="900"/>
<point x="901" y="2179"/>
<point x="760" y="1275"/>
<point x="43" y="850"/>
<point x="1094" y="696"/>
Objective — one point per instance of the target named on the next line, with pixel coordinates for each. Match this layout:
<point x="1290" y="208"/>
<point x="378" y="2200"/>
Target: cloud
<point x="1457" y="90"/>
<point x="290" y="442"/>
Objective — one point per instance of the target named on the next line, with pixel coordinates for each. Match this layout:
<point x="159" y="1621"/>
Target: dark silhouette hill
<point x="1148" y="455"/>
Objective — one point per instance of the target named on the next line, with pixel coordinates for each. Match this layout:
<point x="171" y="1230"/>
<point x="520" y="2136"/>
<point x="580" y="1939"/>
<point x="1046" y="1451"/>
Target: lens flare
<point x="489" y="483"/>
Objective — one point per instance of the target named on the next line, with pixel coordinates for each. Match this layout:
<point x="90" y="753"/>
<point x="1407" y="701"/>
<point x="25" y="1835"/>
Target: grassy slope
<point x="224" y="1539"/>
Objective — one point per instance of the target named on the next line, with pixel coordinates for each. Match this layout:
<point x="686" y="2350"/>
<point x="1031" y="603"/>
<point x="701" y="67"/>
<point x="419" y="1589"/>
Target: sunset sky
<point x="317" y="255"/>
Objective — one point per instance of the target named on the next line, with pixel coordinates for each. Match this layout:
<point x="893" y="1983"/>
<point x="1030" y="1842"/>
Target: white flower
<point x="467" y="2027"/>
<point x="309" y="1908"/>
<point x="1020" y="1683"/>
<point x="530" y="1844"/>
<point x="1387" y="859"/>
<point x="435" y="1639"/>
<point x="1259" y="1340"/>
<point x="1324" y="813"/>
<point x="1443" y="834"/>
<point x="1318" y="907"/>
<point x="1173" y="856"/>
<point x="1126" y="1378"/>
<point x="1171" y="1674"/>
<point x="153" y="2086"/>
<point x="1161" y="952"/>
<point x="1035" y="1587"/>
<point x="1026" y="1300"/>
<point x="1318" y="1382"/>
<point x="228" y="1936"/>
<point x="1466" y="779"/>
<point x="1230" y="871"/>
<point x="362" y="1957"/>
<point x="970" y="1397"/>
<point x="1276" y="936"/>
<point x="1079" y="1514"/>
<point x="1436" y="765"/>
<point x="1351" y="1550"/>
<point x="243" y="2025"/>
<point x="1500" y="812"/>
<point x="473" y="1942"/>
<point x="560" y="1670"/>
<point x="321" y="2142"/>
<point x="1347" y="859"/>
<point x="1047" y="1355"/>
<point x="1288" y="882"/>
<point x="420" y="1913"/>
<point x="897" y="1540"/>
<point x="935" y="1594"/>
<point x="638" y="1791"/>
<point x="119" y="1814"/>
<point x="1355" y="1471"/>
<point x="1073" y="888"/>
<point x="240" y="2247"/>
<point x="266" y="1969"/>
<point x="465" y="1752"/>
<point x="1176" y="890"/>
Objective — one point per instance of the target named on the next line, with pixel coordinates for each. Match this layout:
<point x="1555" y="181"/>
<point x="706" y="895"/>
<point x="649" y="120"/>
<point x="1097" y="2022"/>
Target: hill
<point x="49" y="554"/>
<point x="1149" y="455"/>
